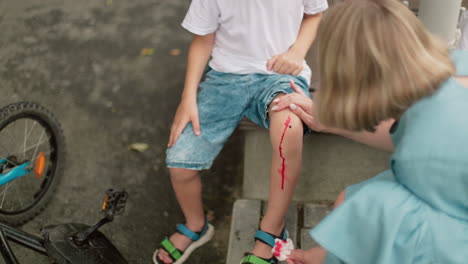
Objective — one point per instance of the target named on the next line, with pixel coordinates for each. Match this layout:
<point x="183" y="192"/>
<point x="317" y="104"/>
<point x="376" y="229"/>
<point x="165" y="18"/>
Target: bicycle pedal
<point x="114" y="202"/>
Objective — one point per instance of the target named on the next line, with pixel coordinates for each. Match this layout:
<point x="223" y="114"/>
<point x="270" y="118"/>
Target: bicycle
<point x="71" y="243"/>
<point x="32" y="156"/>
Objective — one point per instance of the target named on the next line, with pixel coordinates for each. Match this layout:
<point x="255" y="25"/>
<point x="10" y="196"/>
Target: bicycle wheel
<point x="32" y="155"/>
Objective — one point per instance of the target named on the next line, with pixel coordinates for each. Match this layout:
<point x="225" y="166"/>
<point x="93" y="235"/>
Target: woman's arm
<point x="303" y="107"/>
<point x="380" y="139"/>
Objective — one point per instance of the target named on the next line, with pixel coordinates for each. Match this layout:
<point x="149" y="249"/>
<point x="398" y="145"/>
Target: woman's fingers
<point x="292" y="261"/>
<point x="304" y="116"/>
<point x="297" y="256"/>
<point x="294" y="98"/>
<point x="281" y="103"/>
<point x="307" y="118"/>
<point x="295" y="88"/>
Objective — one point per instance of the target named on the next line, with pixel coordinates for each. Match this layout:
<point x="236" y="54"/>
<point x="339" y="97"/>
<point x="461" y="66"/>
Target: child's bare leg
<point x="188" y="189"/>
<point x="281" y="189"/>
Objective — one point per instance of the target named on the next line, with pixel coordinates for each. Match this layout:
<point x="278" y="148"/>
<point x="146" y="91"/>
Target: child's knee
<point x="286" y="134"/>
<point x="340" y="199"/>
<point x="182" y="175"/>
<point x="286" y="120"/>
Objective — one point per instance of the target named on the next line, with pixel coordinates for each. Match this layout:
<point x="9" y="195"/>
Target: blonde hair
<point x="376" y="59"/>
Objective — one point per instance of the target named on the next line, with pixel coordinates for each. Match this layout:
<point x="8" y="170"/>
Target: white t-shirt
<point x="250" y="32"/>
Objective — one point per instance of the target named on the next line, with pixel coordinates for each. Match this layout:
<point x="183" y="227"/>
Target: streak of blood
<point x="283" y="162"/>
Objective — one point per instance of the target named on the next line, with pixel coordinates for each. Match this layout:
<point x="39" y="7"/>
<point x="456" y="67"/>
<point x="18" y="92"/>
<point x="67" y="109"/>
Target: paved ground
<point x="82" y="60"/>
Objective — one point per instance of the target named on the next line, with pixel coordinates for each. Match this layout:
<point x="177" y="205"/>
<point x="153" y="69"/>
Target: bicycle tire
<point x="32" y="111"/>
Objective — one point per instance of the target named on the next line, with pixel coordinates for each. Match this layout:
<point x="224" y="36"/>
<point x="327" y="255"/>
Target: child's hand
<point x="289" y="62"/>
<point x="186" y="112"/>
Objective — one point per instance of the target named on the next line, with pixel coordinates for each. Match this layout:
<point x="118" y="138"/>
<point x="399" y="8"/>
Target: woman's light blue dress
<point x="416" y="212"/>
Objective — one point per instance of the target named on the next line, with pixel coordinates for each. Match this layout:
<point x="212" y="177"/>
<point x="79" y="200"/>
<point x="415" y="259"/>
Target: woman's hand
<point x="297" y="256"/>
<point x="186" y="112"/>
<point x="290" y="62"/>
<point x="301" y="105"/>
<point x="313" y="255"/>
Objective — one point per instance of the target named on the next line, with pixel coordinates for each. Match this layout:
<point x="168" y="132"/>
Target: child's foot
<point x="262" y="250"/>
<point x="181" y="242"/>
<point x="263" y="246"/>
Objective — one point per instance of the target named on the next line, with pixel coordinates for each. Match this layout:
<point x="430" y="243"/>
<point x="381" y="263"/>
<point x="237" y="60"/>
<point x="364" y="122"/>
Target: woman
<point x="379" y="64"/>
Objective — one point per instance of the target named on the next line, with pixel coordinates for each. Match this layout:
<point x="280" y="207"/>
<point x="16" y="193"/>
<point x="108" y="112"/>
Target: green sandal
<point x="178" y="256"/>
<point x="268" y="239"/>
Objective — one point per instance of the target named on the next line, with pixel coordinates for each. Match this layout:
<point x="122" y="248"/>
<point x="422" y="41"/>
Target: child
<point x="257" y="47"/>
<point x="417" y="211"/>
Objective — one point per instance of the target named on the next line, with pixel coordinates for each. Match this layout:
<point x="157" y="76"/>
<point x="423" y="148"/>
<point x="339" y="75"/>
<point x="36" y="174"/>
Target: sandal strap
<point x="251" y="258"/>
<point x="174" y="253"/>
<point x="268" y="238"/>
<point x="194" y="236"/>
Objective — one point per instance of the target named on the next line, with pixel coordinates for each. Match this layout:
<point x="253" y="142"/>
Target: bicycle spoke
<point x="4" y="194"/>
<point x="15" y="129"/>
<point x="37" y="146"/>
<point x="6" y="150"/>
<point x="19" y="198"/>
<point x="29" y="148"/>
<point x="10" y="136"/>
<point x="11" y="162"/>
<point x="13" y="138"/>
<point x="27" y="136"/>
<point x="30" y="131"/>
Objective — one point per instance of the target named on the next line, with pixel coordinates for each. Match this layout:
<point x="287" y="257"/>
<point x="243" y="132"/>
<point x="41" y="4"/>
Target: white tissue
<point x="282" y="249"/>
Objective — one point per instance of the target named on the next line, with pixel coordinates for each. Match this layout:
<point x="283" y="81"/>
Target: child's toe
<point x="164" y="256"/>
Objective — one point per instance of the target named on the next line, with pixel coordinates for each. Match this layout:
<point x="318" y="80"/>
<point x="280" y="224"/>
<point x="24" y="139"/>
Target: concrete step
<point x="247" y="214"/>
<point x="313" y="214"/>
<point x="330" y="163"/>
<point x="245" y="218"/>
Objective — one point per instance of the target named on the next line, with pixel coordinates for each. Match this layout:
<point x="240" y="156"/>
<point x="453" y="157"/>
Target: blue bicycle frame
<point x="14" y="173"/>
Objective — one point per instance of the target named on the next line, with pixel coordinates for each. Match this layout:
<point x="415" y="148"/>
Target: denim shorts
<point x="223" y="100"/>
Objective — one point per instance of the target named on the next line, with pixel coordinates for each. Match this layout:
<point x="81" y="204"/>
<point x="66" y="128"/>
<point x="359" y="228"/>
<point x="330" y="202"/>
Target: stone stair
<point x="330" y="163"/>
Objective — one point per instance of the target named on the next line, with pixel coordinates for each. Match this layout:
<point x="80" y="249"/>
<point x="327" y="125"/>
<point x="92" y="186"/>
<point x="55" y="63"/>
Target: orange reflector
<point x="104" y="204"/>
<point x="40" y="165"/>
